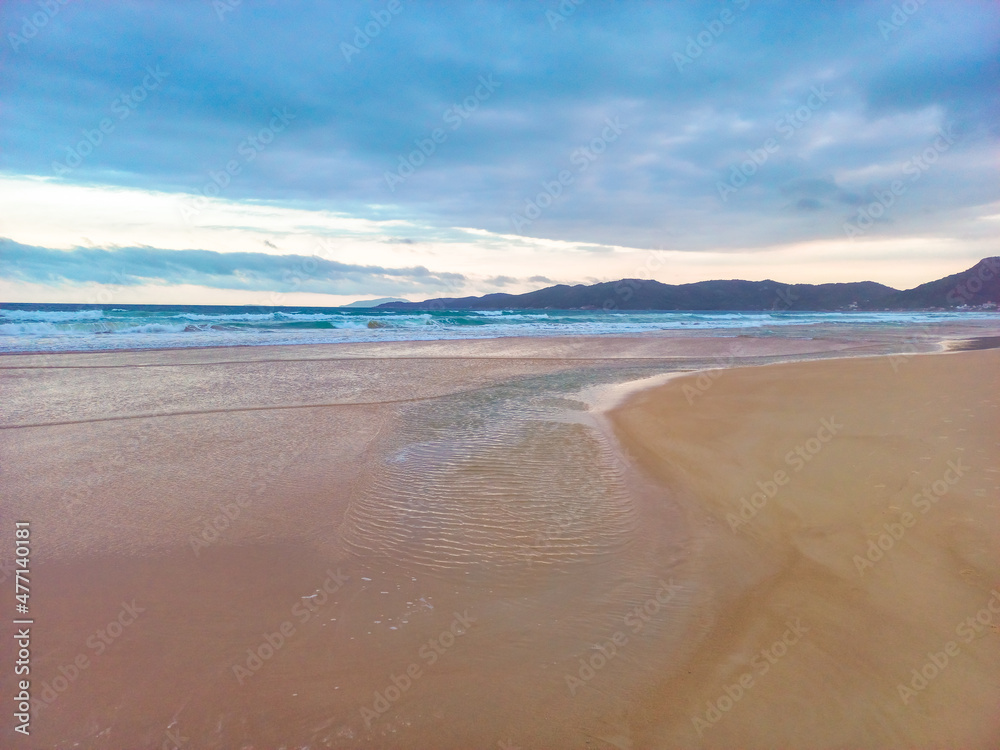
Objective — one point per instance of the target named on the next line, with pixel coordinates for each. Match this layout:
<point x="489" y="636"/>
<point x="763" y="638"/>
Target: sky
<point x="231" y="151"/>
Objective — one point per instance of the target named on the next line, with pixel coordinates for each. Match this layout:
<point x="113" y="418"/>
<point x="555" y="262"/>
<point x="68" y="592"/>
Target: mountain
<point x="978" y="286"/>
<point x="972" y="288"/>
<point x="374" y="302"/>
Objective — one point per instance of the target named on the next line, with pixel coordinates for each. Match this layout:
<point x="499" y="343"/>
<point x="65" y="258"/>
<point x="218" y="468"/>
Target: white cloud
<point x="48" y="214"/>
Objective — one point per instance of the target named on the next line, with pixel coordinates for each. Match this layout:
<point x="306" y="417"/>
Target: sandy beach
<point x="453" y="544"/>
<point x="848" y="516"/>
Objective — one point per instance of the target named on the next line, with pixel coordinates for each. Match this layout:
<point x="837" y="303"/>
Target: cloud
<point x="135" y="266"/>
<point x="501" y="281"/>
<point x="355" y="120"/>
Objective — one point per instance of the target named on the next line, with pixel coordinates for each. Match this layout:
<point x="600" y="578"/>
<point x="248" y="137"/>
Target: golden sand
<point x="851" y="509"/>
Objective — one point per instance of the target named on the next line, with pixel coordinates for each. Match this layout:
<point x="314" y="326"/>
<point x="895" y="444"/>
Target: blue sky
<point x="467" y="148"/>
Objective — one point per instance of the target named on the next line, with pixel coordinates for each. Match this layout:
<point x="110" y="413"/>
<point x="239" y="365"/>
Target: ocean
<point x="32" y="327"/>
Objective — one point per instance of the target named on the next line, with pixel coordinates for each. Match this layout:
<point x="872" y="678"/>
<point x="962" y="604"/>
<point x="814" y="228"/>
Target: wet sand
<point x="444" y="544"/>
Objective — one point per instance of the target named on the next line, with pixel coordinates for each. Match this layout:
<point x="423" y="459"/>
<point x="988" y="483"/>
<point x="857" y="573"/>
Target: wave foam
<point x="54" y="316"/>
<point x="225" y="316"/>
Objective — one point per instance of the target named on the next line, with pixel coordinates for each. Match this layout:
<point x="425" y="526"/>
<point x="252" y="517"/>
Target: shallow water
<point x="479" y="480"/>
<point x="511" y="503"/>
<point x="505" y="502"/>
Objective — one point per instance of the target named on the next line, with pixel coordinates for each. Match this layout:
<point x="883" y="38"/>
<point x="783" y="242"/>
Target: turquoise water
<point x="49" y="327"/>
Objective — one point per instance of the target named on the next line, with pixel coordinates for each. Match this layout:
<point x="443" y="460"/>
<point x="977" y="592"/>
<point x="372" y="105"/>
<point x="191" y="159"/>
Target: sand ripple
<point x="495" y="483"/>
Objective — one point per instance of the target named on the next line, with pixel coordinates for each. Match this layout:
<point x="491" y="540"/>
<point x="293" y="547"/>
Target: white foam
<point x="47" y="330"/>
<point x="55" y="316"/>
<point x="27" y="329"/>
<point x="224" y="316"/>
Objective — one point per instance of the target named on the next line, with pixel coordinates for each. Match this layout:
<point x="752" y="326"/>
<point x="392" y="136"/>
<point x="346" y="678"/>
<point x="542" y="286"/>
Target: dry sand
<point x="850" y="507"/>
<point x="496" y="569"/>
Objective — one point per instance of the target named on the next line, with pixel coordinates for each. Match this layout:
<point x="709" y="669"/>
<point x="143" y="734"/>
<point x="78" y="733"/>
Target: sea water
<point x="73" y="327"/>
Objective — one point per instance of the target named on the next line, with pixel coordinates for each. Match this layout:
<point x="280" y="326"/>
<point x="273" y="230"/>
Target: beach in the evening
<point x="512" y="376"/>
